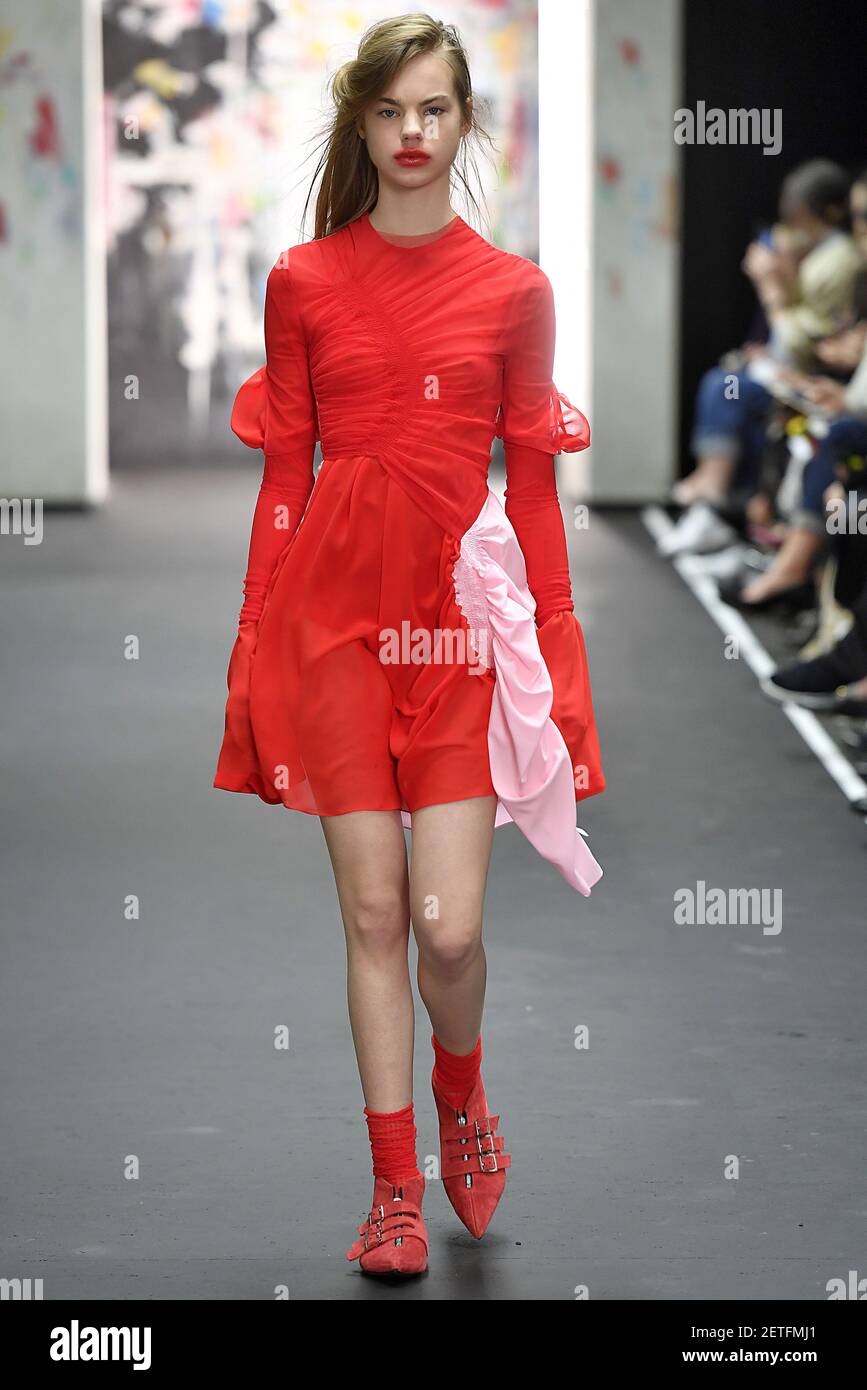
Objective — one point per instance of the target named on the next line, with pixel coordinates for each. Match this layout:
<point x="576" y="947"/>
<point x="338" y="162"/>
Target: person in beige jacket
<point x="804" y="280"/>
<point x="844" y="405"/>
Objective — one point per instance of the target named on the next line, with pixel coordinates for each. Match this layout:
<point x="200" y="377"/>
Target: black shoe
<point x="834" y="702"/>
<point x="795" y="599"/>
<point x="820" y="684"/>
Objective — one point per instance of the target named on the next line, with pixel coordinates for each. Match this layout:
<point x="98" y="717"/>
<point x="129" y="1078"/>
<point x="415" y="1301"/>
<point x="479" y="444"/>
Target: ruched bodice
<point x="421" y="354"/>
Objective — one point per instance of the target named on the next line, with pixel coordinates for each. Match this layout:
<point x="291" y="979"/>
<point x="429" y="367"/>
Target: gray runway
<point x="158" y="1146"/>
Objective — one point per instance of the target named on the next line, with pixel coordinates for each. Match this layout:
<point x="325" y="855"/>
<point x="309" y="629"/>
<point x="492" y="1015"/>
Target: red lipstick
<point x="411" y="158"/>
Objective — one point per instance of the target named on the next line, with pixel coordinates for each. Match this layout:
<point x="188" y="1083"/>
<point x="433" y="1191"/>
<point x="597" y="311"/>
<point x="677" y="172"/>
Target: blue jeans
<point x="846" y="436"/>
<point x="733" y="428"/>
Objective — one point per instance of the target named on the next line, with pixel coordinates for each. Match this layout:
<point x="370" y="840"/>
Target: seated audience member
<point x="789" y="574"/>
<point x="836" y="681"/>
<point x="846" y="404"/>
<point x="804" y="282"/>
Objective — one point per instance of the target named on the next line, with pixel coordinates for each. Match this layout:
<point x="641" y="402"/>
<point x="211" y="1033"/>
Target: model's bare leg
<point x="451" y="850"/>
<point x="368" y="855"/>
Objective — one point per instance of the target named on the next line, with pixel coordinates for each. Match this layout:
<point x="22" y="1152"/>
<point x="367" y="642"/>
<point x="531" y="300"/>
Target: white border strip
<point x="566" y="152"/>
<point x="733" y="624"/>
<point x="96" y="475"/>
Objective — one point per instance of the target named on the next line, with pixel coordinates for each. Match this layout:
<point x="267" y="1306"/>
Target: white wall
<point x="636" y="249"/>
<point x="566" y="202"/>
<point x="53" y="441"/>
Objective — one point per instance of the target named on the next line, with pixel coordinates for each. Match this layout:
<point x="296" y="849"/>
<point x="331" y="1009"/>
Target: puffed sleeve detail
<point x="249" y="410"/>
<point x="533" y="413"/>
<point x="536" y="422"/>
<point x="275" y="410"/>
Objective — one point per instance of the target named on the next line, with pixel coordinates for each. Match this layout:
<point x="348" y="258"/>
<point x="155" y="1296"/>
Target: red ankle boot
<point x="472" y="1161"/>
<point x="394" y="1236"/>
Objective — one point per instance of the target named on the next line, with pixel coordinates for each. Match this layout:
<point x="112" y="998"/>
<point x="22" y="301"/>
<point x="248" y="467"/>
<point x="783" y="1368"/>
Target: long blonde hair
<point x="349" y="184"/>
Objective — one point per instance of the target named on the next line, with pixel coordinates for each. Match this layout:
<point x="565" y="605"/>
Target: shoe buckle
<point x="377" y="1227"/>
<point x="397" y="1196"/>
<point x="486" y="1152"/>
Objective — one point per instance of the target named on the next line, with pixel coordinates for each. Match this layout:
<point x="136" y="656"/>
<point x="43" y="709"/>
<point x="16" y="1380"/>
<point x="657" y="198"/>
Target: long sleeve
<point x="533" y="508"/>
<point x="275" y="411"/>
<point x="537" y="422"/>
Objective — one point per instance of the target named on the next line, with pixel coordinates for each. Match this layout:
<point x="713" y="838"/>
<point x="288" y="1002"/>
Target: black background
<point x="809" y="59"/>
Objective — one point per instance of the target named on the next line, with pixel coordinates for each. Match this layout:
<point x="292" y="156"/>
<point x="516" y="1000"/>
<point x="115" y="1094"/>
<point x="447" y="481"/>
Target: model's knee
<point x="449" y="949"/>
<point x="378" y="921"/>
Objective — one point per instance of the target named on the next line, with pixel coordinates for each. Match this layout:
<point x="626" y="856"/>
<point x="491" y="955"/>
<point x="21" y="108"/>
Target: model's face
<point x="858" y="208"/>
<point x="413" y="129"/>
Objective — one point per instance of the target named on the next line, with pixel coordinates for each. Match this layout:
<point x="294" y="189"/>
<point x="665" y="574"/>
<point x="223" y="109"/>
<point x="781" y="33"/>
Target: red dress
<point x="405" y="640"/>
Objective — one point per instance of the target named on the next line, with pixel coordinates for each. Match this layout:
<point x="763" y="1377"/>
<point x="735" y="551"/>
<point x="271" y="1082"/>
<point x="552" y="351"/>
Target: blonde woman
<point x="407" y="654"/>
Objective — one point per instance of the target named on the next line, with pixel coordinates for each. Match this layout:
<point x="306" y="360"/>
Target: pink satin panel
<point x="531" y="765"/>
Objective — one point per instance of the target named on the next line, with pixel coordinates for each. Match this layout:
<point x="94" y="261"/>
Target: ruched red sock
<point x="392" y="1143"/>
<point x="455" y="1075"/>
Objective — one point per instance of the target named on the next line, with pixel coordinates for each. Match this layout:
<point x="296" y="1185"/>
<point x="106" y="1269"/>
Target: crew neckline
<point x="416" y="240"/>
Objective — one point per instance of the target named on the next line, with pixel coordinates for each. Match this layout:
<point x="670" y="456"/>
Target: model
<point x="407" y="653"/>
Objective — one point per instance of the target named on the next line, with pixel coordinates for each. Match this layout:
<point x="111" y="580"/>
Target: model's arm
<point x="275" y="411"/>
<point x="536" y="423"/>
<point x="533" y="507"/>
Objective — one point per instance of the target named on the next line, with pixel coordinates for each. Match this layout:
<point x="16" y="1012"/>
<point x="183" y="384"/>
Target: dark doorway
<point x="810" y="60"/>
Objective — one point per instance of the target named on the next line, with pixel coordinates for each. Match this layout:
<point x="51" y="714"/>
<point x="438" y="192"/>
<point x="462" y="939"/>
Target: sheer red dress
<point x="405" y="640"/>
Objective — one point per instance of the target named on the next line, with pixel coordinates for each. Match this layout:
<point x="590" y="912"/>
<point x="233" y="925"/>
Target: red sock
<point x="454" y="1075"/>
<point x="392" y="1143"/>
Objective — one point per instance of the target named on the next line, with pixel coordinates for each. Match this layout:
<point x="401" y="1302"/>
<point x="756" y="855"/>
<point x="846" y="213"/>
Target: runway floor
<point x="158" y="1146"/>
